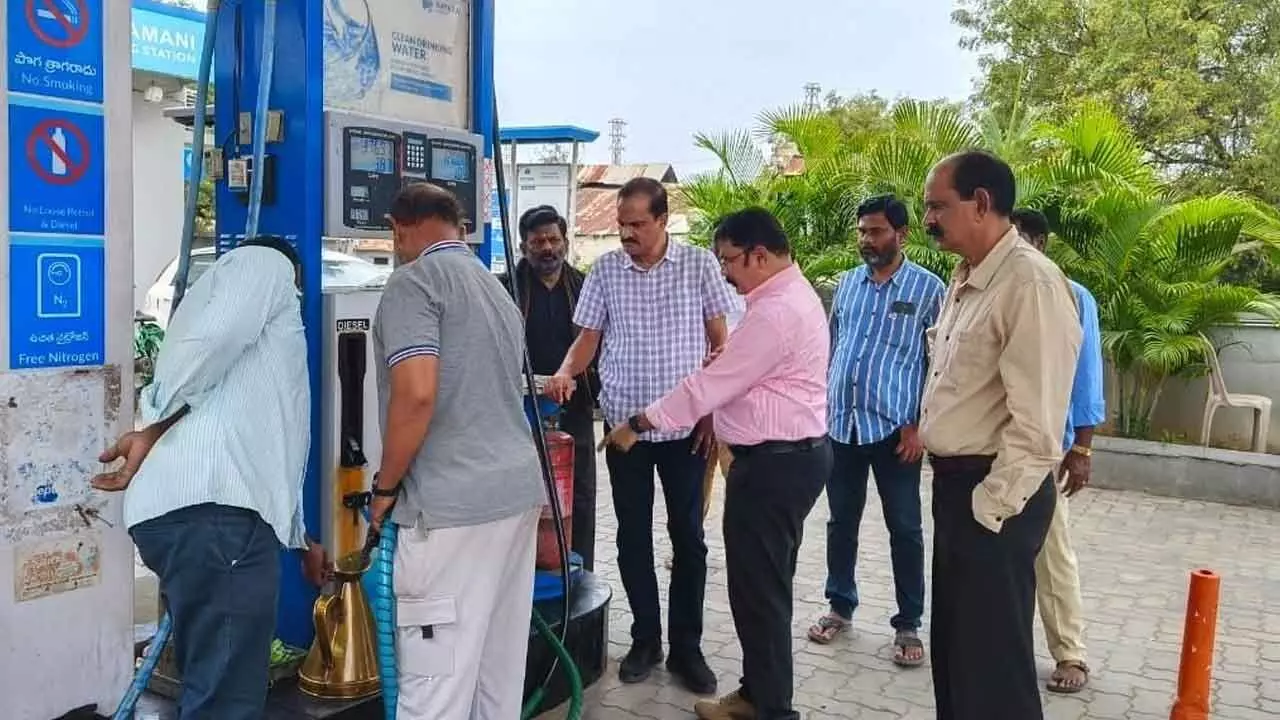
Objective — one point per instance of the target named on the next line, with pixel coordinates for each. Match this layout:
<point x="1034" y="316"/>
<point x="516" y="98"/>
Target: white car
<point x="340" y="270"/>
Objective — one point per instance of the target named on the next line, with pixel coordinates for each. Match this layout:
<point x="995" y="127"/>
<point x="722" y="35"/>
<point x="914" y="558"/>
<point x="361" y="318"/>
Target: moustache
<point x="933" y="231"/>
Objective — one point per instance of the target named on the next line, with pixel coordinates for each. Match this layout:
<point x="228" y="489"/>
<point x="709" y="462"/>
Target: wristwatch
<point x="383" y="492"/>
<point x="633" y="422"/>
<point x="1082" y="450"/>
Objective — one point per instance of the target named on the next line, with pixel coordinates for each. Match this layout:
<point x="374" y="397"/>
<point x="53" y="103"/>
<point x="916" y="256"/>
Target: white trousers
<point x="463" y="602"/>
<point x="1058" y="590"/>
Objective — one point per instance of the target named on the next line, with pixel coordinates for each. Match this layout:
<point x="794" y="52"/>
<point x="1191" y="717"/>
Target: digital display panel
<point x="372" y="155"/>
<point x="451" y="165"/>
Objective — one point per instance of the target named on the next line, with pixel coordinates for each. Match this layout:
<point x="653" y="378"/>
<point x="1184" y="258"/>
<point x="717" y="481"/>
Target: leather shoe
<point x="639" y="662"/>
<point x="690" y="667"/>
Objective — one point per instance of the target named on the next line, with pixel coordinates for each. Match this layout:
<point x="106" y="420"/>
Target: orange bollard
<point x="1196" y="668"/>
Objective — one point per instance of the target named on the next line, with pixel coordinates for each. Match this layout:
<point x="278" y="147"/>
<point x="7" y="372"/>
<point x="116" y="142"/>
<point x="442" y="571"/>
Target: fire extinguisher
<point x="560" y="453"/>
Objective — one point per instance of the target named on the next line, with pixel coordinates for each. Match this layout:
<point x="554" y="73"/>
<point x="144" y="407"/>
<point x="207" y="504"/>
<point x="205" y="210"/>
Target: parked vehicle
<point x="339" y="271"/>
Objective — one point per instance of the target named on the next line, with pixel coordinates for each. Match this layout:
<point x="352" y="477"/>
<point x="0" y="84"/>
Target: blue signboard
<point x="186" y="163"/>
<point x="56" y="302"/>
<point x="167" y="40"/>
<point x="55" y="48"/>
<point x="56" y="178"/>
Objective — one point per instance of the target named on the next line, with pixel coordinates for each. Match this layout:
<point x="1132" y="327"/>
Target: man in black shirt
<point x="549" y="288"/>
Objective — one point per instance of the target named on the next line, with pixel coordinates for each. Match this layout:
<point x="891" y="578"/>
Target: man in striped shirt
<point x="215" y="480"/>
<point x="879" y="316"/>
<point x="767" y="390"/>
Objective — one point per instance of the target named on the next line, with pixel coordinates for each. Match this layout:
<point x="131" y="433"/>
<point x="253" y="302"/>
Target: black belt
<point x="961" y="463"/>
<point x="778" y="447"/>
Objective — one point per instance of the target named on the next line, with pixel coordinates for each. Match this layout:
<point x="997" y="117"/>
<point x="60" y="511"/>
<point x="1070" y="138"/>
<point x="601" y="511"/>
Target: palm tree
<point x="1151" y="259"/>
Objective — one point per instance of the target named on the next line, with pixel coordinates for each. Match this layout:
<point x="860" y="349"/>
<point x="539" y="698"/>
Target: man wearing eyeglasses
<point x="767" y="391"/>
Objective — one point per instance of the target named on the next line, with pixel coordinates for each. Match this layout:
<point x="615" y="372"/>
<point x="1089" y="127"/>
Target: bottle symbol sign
<point x="57" y="165"/>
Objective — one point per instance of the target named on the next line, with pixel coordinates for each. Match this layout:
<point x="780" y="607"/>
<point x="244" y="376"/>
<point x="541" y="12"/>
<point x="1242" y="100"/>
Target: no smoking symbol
<point x="72" y="169"/>
<point x="70" y="15"/>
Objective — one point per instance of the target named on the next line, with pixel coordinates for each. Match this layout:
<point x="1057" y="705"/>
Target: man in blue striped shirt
<point x="879" y="316"/>
<point x="1057" y="573"/>
<point x="215" y="480"/>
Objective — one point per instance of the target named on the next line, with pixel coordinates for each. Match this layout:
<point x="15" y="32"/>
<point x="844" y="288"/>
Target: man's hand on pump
<point x="384" y="498"/>
<point x="560" y="387"/>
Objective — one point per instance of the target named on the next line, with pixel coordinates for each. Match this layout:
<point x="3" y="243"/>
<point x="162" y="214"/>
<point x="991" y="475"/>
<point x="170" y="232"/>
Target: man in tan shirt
<point x="994" y="411"/>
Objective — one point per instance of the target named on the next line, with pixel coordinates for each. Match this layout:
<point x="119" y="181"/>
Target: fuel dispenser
<point x="375" y="157"/>
<point x="368" y="160"/>
<point x="334" y="145"/>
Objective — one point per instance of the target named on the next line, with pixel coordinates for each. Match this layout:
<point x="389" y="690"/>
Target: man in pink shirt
<point x="767" y="389"/>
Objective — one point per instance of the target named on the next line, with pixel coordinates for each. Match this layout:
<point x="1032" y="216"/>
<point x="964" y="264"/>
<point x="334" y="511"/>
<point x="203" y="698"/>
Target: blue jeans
<point x="898" y="485"/>
<point x="219" y="571"/>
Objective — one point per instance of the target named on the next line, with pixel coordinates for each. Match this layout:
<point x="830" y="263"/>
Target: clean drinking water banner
<point x="401" y="59"/>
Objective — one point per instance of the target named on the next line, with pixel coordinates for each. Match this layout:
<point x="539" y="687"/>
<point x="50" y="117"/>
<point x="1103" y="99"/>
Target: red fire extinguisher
<point x="560" y="453"/>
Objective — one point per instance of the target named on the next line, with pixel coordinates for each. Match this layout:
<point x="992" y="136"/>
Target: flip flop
<point x="903" y="641"/>
<point x="1058" y="681"/>
<point x="827" y="628"/>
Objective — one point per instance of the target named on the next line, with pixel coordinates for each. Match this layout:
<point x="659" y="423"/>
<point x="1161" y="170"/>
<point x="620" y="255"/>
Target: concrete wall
<point x="1182" y="471"/>
<point x="1250" y="365"/>
<point x="158" y="195"/>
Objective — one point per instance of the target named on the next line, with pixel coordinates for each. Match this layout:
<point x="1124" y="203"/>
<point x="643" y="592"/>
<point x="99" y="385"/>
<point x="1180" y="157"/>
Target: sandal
<point x="903" y="641"/>
<point x="827" y="628"/>
<point x="1069" y="678"/>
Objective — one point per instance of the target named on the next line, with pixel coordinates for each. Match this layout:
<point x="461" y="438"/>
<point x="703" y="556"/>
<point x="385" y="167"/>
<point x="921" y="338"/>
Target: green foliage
<point x="147" y="338"/>
<point x="1196" y="81"/>
<point x="1153" y="257"/>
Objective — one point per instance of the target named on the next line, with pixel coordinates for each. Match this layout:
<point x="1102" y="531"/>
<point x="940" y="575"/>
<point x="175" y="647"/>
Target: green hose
<point x="566" y="661"/>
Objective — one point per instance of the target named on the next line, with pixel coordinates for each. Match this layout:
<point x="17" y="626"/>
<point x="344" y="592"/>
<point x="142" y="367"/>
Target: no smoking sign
<point x="56" y="48"/>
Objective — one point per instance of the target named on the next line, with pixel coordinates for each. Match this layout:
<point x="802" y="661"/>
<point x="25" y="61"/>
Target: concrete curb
<point x="1187" y="471"/>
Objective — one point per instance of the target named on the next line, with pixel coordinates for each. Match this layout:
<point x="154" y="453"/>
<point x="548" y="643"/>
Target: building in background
<point x="167" y="40"/>
<point x="596" y="218"/>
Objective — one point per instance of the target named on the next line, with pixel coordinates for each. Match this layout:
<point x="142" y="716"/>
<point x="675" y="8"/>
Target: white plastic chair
<point x="1218" y="397"/>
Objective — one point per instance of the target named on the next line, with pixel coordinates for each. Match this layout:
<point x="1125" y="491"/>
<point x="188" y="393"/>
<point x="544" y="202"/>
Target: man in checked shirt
<point x="994" y="410"/>
<point x="659" y="309"/>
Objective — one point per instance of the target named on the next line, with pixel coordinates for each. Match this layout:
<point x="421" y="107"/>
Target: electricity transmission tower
<point x="617" y="133"/>
<point x="812" y="91"/>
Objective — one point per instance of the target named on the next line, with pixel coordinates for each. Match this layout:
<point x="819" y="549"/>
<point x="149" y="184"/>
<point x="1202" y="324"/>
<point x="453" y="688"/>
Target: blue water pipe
<point x="197" y="155"/>
<point x="261" y="108"/>
<point x="379" y="585"/>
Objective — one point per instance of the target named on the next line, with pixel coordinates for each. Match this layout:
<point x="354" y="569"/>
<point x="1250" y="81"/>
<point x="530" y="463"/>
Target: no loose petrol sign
<point x="56" y="179"/>
<point x="56" y="48"/>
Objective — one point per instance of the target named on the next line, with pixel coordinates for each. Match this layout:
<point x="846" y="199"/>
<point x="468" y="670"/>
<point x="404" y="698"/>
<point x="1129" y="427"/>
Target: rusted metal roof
<point x="596" y="213"/>
<point x="618" y="175"/>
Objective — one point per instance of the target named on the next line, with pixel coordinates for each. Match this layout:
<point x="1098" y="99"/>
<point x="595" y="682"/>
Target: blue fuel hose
<point x="265" y="70"/>
<point x="380" y="587"/>
<point x="124" y="711"/>
<point x="197" y="156"/>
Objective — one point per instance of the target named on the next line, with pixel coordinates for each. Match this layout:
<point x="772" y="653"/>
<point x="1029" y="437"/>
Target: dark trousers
<point x="631" y="477"/>
<point x="767" y="498"/>
<point x="898" y="485"/>
<point x="984" y="599"/>
<point x="219" y="572"/>
<point x="582" y="426"/>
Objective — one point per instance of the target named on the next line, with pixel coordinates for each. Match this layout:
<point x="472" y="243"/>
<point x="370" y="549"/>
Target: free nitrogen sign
<point x="56" y="48"/>
<point x="56" y="291"/>
<point x="56" y="178"/>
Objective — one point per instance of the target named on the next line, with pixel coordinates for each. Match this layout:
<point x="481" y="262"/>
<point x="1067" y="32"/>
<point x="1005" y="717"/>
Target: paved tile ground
<point x="1135" y="552"/>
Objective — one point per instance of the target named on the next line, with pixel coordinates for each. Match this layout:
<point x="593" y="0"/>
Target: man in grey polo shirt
<point x="459" y="472"/>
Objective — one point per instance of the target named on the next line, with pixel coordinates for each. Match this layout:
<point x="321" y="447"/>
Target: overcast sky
<point x="671" y="68"/>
